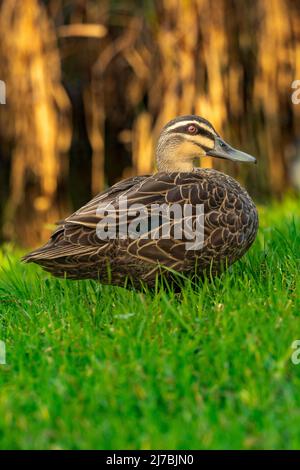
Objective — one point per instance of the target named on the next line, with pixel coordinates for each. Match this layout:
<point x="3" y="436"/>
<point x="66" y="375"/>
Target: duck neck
<point x="173" y="165"/>
<point x="174" y="155"/>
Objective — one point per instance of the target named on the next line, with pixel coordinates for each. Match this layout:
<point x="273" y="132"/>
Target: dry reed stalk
<point x="38" y="133"/>
<point x="232" y="62"/>
<point x="95" y="115"/>
<point x="272" y="87"/>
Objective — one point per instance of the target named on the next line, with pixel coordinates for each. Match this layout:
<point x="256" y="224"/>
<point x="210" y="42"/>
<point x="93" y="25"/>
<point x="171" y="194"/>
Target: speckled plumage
<point x="230" y="225"/>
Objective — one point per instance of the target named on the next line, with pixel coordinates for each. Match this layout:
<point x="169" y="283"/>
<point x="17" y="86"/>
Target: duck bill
<point x="224" y="150"/>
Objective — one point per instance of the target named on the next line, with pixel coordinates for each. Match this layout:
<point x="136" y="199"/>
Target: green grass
<point x="91" y="366"/>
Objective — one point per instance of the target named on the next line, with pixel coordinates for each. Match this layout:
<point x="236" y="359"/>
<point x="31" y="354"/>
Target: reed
<point x="137" y="67"/>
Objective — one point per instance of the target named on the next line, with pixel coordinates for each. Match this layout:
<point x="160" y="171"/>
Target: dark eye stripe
<point x="200" y="131"/>
<point x="206" y="133"/>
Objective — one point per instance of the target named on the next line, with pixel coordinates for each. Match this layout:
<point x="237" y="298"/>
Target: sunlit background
<point x="90" y="83"/>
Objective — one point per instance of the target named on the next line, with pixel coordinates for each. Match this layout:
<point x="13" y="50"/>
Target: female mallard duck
<point x="229" y="222"/>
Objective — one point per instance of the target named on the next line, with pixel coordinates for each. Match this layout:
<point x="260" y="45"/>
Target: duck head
<point x="186" y="138"/>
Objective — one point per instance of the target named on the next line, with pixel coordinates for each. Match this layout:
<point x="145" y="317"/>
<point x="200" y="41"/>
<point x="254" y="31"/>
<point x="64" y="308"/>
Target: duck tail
<point x="37" y="255"/>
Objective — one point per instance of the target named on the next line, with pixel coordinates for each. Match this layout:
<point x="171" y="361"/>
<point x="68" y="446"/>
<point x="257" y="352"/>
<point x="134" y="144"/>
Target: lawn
<point x="91" y="366"/>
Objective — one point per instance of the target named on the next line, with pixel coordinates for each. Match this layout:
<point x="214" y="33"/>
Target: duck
<point x="113" y="239"/>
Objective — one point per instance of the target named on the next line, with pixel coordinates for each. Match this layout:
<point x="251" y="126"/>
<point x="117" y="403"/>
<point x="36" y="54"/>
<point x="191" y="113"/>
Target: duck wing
<point x="230" y="224"/>
<point x="76" y="234"/>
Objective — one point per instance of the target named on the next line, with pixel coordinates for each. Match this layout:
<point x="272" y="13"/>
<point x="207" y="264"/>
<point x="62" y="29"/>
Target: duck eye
<point x="192" y="129"/>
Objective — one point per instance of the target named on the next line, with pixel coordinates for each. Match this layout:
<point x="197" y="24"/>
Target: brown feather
<point x="75" y="251"/>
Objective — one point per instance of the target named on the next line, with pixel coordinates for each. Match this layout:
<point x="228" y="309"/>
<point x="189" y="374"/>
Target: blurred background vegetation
<point x="90" y="83"/>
